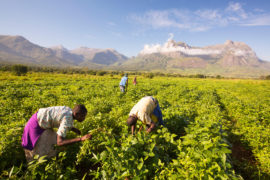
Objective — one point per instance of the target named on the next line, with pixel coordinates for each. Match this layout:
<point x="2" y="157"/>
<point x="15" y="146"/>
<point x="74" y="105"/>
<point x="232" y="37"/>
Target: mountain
<point x="228" y="59"/>
<point x="228" y="54"/>
<point x="62" y="53"/>
<point x="17" y="49"/>
<point x="231" y="59"/>
<point x="99" y="56"/>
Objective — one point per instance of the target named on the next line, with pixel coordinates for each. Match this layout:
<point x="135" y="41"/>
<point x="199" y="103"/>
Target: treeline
<point x="21" y="70"/>
<point x="265" y="77"/>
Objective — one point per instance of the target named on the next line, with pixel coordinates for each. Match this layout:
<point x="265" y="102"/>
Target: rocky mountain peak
<point x="228" y="54"/>
<point x="182" y="44"/>
<point x="15" y="38"/>
<point x="59" y="48"/>
<point x="229" y="43"/>
<point x="12" y="40"/>
<point x="238" y="45"/>
<point x="172" y="44"/>
<point x="110" y="49"/>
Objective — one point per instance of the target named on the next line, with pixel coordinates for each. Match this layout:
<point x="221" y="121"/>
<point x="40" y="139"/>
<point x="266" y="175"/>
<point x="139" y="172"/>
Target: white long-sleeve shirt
<point x="144" y="108"/>
<point x="56" y="117"/>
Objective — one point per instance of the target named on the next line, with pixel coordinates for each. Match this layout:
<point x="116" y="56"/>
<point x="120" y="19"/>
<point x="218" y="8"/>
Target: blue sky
<point x="128" y="25"/>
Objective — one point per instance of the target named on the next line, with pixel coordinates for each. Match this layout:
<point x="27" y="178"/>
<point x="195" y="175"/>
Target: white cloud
<point x="237" y="10"/>
<point x="158" y="19"/>
<point x="259" y="21"/>
<point x="169" y="46"/>
<point x="209" y="14"/>
<point x="234" y="7"/>
<point x="202" y="19"/>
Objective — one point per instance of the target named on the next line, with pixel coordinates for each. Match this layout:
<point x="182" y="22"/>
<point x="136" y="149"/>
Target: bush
<point x="149" y="75"/>
<point x="200" y="76"/>
<point x="218" y="77"/>
<point x="101" y="73"/>
<point x="19" y="70"/>
<point x="267" y="77"/>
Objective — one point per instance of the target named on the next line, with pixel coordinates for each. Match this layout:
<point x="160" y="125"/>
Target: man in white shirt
<point x="39" y="137"/>
<point x="148" y="111"/>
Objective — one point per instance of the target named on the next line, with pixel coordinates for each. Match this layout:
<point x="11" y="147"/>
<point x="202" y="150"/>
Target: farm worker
<point x="135" y="80"/>
<point x="124" y="83"/>
<point x="39" y="137"/>
<point x="148" y="111"/>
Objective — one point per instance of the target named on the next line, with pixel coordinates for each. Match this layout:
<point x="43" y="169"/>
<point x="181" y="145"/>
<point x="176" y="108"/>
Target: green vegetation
<point x="19" y="69"/>
<point x="215" y="128"/>
<point x="191" y="73"/>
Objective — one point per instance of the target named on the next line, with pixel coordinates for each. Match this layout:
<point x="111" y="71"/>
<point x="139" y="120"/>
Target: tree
<point x="19" y="70"/>
<point x="267" y="77"/>
<point x="101" y="73"/>
<point x="218" y="76"/>
<point x="200" y="76"/>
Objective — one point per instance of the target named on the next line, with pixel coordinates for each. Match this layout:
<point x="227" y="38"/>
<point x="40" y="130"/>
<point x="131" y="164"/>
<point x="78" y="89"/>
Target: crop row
<point x="249" y="110"/>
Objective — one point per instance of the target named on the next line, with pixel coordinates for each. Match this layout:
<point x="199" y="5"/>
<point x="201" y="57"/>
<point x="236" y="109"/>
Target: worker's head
<point x="131" y="121"/>
<point x="126" y="75"/>
<point x="79" y="112"/>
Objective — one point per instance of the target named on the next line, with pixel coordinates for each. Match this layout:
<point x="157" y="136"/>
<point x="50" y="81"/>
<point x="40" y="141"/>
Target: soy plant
<point x="138" y="157"/>
<point x="11" y="152"/>
<point x="86" y="158"/>
<point x="54" y="168"/>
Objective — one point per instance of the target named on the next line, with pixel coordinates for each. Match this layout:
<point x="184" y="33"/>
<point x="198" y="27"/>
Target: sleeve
<point x="65" y="125"/>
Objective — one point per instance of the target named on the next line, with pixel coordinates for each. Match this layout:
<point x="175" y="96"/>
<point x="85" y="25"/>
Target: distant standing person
<point x="148" y="111"/>
<point x="135" y="80"/>
<point x="124" y="83"/>
<point x="39" y="137"/>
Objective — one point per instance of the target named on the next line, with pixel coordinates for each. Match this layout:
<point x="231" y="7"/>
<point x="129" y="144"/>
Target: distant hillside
<point x="99" y="56"/>
<point x="231" y="59"/>
<point x="17" y="49"/>
<point x="235" y="59"/>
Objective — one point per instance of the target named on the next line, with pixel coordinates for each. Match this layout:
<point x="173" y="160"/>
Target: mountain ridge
<point x="23" y="51"/>
<point x="225" y="59"/>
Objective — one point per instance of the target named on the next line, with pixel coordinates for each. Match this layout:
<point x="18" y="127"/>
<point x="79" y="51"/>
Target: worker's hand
<point x="87" y="136"/>
<point x="152" y="126"/>
<point x="140" y="128"/>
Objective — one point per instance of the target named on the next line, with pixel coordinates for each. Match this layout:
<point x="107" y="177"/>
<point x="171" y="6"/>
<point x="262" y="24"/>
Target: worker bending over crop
<point x="148" y="111"/>
<point x="39" y="137"/>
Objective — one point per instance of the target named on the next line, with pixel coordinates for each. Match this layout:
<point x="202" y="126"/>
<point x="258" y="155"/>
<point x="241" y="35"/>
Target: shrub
<point x="101" y="73"/>
<point x="218" y="77"/>
<point x="19" y="70"/>
<point x="267" y="77"/>
<point x="149" y="75"/>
